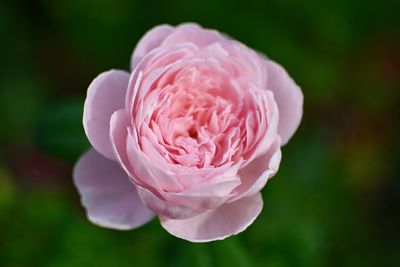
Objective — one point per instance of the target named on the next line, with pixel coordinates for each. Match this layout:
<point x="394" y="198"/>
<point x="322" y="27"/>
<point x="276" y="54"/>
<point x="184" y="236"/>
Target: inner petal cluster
<point x="201" y="117"/>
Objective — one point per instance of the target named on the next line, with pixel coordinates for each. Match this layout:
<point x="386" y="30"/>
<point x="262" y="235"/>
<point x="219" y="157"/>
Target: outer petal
<point x="228" y="219"/>
<point x="118" y="133"/>
<point x="204" y="196"/>
<point x="150" y="68"/>
<point x="193" y="33"/>
<point x="152" y="39"/>
<point x="163" y="207"/>
<point x="256" y="174"/>
<point x="289" y="99"/>
<point x="105" y="95"/>
<point x="108" y="196"/>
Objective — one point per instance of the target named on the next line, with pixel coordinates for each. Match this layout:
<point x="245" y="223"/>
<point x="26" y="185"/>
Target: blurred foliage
<point x="59" y="130"/>
<point x="336" y="198"/>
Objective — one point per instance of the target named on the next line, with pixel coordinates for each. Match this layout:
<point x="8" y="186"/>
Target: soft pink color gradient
<point x="192" y="134"/>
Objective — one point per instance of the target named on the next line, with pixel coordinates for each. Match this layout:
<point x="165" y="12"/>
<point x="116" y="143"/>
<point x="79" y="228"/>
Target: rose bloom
<point x="191" y="134"/>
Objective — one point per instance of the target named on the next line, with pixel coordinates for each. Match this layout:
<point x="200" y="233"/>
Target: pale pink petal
<point x="154" y="64"/>
<point x="206" y="195"/>
<point x="228" y="219"/>
<point x="272" y="114"/>
<point x="209" y="193"/>
<point x="105" y="95"/>
<point x="289" y="99"/>
<point x="128" y="154"/>
<point x="152" y="39"/>
<point x="193" y="33"/>
<point x="119" y="136"/>
<point x="108" y="196"/>
<point x="148" y="171"/>
<point x="119" y="123"/>
<point x="163" y="207"/>
<point x="256" y="174"/>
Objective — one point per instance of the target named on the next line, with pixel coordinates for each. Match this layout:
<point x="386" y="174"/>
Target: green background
<point x="335" y="200"/>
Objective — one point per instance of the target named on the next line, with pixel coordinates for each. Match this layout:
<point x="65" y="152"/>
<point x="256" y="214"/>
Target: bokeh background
<point x="336" y="198"/>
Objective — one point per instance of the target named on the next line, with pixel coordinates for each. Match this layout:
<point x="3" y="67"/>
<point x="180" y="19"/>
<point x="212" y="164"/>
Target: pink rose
<point x="192" y="134"/>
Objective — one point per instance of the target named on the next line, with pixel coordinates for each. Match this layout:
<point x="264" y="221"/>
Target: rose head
<point x="192" y="134"/>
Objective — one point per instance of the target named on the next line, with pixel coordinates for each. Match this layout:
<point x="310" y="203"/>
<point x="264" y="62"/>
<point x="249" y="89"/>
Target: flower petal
<point x="163" y="207"/>
<point x="204" y="196"/>
<point x="193" y="33"/>
<point x="152" y="39"/>
<point x="105" y="95"/>
<point x="256" y="174"/>
<point x="228" y="219"/>
<point x="118" y="133"/>
<point x="289" y="99"/>
<point x="108" y="196"/>
<point x="129" y="156"/>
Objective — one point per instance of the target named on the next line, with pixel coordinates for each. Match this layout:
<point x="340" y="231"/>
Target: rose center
<point x="197" y="120"/>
